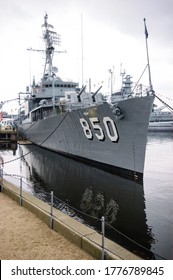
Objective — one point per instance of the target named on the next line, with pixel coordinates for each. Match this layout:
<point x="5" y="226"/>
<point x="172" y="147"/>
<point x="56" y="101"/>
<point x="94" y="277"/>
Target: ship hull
<point x="96" y="136"/>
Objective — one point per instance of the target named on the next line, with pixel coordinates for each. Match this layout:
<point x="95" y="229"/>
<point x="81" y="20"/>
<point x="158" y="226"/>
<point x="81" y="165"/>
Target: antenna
<point x="111" y="71"/>
<point x="43" y="51"/>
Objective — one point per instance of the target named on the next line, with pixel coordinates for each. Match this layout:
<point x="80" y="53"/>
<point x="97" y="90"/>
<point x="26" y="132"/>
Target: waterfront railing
<point x="26" y="191"/>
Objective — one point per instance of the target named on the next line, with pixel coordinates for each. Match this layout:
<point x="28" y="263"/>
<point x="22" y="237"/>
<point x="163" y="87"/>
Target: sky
<point x="113" y="35"/>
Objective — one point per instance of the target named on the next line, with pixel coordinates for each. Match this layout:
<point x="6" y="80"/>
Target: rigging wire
<point x="161" y="100"/>
<point x="139" y="78"/>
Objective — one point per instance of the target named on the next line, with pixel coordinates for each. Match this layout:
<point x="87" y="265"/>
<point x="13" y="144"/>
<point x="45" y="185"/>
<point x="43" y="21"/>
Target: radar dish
<point x="55" y="69"/>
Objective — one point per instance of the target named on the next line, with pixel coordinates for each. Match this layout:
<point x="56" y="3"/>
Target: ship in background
<point x="161" y="119"/>
<point x="66" y="119"/>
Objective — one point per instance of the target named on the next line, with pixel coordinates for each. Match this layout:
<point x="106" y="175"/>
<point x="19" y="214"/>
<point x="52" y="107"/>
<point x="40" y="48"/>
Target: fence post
<point x="103" y="235"/>
<point x="21" y="191"/>
<point x="1" y="176"/>
<point x="51" y="211"/>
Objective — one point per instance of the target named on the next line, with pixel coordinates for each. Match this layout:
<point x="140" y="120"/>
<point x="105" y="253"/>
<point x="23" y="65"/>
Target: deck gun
<point x="94" y="94"/>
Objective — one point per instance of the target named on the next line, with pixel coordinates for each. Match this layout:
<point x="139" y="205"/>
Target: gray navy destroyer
<point x="81" y="124"/>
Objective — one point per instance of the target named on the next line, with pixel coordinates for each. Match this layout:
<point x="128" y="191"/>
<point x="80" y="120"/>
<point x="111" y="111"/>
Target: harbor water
<point x="139" y="212"/>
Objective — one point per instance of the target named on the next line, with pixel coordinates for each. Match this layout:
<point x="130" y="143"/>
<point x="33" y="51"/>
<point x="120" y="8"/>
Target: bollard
<point x="51" y="211"/>
<point x="103" y="235"/>
<point x="21" y="191"/>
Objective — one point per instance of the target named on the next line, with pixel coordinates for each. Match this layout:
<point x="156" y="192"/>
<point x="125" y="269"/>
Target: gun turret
<point x="79" y="94"/>
<point x="94" y="94"/>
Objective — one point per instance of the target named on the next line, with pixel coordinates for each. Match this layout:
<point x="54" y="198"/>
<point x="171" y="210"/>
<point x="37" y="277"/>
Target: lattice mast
<point x="50" y="38"/>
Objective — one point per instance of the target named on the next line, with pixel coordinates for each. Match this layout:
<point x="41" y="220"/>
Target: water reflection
<point x="94" y="192"/>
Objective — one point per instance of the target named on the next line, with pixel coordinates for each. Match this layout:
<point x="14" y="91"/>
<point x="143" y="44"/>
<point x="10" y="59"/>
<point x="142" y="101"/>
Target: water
<point x="143" y="212"/>
<point x="158" y="188"/>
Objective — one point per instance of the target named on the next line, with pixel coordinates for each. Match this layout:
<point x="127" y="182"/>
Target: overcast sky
<point x="113" y="33"/>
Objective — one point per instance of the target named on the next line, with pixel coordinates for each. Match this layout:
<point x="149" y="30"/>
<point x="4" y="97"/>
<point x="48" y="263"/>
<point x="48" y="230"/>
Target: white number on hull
<point x="86" y="128"/>
<point x="109" y="125"/>
<point x="95" y="125"/>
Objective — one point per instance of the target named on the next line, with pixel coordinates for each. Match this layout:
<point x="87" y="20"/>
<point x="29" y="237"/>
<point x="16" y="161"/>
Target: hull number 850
<point x="109" y="125"/>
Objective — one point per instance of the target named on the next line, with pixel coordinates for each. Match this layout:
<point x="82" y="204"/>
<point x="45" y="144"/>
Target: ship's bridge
<point x="50" y="88"/>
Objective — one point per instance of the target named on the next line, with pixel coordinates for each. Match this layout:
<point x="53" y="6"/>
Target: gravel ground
<point x="23" y="236"/>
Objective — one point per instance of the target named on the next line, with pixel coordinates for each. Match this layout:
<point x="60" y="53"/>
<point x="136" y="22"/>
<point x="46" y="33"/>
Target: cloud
<point x="127" y="15"/>
<point x="113" y="33"/>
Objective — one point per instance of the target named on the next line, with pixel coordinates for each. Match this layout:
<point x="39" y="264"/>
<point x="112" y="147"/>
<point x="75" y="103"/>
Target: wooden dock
<point x="8" y="135"/>
<point x="24" y="142"/>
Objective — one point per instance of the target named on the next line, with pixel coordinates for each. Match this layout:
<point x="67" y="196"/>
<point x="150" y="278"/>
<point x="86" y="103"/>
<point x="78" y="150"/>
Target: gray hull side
<point x="64" y="133"/>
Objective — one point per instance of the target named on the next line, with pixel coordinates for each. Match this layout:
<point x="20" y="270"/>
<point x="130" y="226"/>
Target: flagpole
<point x="82" y="48"/>
<point x="148" y="61"/>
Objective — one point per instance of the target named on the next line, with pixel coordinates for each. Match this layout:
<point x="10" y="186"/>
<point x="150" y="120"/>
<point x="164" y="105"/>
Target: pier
<point x="8" y="135"/>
